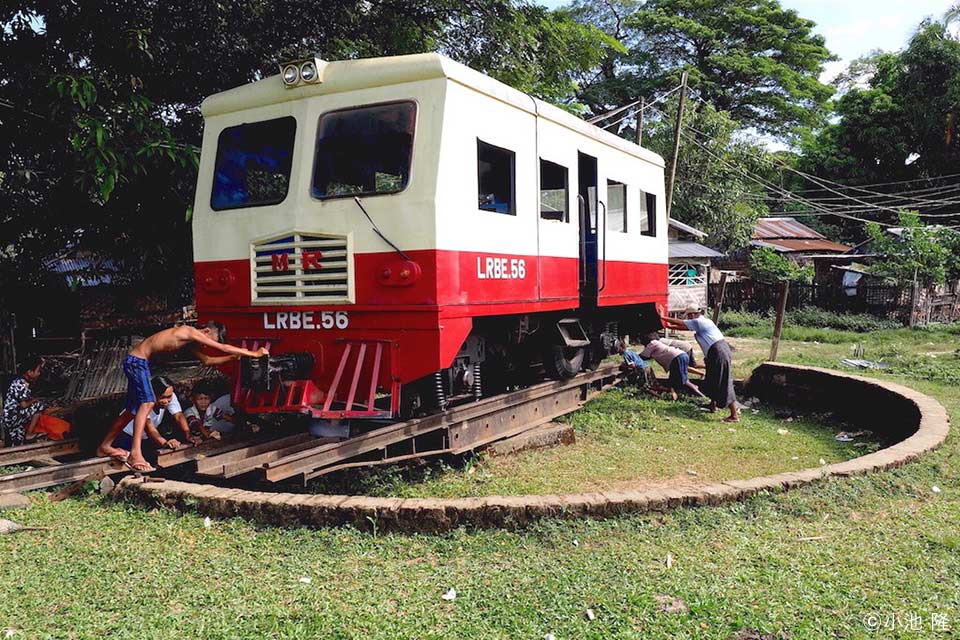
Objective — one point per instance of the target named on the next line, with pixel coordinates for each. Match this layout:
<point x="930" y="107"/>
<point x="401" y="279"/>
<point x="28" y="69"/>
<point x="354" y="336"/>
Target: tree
<point x="898" y="119"/>
<point x="952" y="14"/>
<point x="99" y="103"/>
<point x="713" y="189"/>
<point x="915" y="251"/>
<point x="750" y="58"/>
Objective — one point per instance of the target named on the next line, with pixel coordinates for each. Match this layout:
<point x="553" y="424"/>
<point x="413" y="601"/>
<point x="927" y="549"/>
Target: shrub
<point x="822" y="319"/>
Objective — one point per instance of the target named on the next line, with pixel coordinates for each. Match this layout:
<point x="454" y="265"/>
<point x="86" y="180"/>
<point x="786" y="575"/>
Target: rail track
<point x="301" y="457"/>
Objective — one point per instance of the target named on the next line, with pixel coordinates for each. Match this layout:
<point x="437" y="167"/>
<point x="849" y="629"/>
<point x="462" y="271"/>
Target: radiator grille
<point x="302" y="269"/>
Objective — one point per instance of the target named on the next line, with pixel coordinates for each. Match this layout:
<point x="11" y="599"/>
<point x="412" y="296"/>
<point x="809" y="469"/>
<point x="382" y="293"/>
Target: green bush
<point x="741" y="319"/>
<point x="810" y="324"/>
<point x="822" y="319"/>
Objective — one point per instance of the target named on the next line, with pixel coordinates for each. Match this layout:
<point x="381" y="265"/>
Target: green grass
<point x="624" y="438"/>
<point x="806" y="564"/>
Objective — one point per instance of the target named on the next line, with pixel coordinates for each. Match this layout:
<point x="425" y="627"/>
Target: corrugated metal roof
<point x="767" y="228"/>
<point x="762" y="243"/>
<point x="790" y="246"/>
<point x="676" y="224"/>
<point x="682" y="249"/>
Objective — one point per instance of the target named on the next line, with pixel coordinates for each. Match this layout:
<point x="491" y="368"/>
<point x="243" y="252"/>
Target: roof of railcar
<point x="351" y="75"/>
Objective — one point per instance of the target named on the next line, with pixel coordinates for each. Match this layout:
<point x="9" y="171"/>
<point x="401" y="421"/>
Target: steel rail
<point x="467" y="426"/>
<point x="49" y="476"/>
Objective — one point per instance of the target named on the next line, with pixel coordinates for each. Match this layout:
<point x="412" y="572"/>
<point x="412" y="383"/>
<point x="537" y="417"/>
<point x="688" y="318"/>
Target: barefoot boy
<point x="140" y="395"/>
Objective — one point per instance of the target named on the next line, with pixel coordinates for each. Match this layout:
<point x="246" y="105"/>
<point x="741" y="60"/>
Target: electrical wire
<point x="608" y="114"/>
<point x="825" y="185"/>
<point x="819" y="209"/>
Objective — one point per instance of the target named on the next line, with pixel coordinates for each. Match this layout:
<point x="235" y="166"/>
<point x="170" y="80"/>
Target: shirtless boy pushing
<point x="140" y="396"/>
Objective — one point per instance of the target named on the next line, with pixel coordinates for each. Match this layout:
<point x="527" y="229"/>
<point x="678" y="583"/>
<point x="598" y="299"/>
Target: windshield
<point x="366" y="150"/>
<point x="253" y="164"/>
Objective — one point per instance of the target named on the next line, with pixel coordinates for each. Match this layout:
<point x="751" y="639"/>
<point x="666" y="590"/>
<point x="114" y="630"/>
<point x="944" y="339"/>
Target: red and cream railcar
<point x="409" y="228"/>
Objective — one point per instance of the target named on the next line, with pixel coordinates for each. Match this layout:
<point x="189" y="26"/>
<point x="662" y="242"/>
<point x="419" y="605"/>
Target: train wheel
<point x="562" y="362"/>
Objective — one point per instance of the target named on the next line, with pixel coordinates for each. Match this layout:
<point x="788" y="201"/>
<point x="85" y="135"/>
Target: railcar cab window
<point x="554" y="192"/>
<point x="364" y="150"/>
<point x="496" y="177"/>
<point x="252" y="166"/>
<point x="648" y="216"/>
<point x="616" y="206"/>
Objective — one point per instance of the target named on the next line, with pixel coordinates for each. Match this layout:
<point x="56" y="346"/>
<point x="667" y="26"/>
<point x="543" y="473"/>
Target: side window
<point x="496" y="174"/>
<point x="252" y="167"/>
<point x="616" y="206"/>
<point x="554" y="192"/>
<point x="648" y="216"/>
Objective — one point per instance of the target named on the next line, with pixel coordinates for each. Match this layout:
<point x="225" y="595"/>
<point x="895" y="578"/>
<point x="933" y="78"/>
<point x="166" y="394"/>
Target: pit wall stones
<point x="915" y="422"/>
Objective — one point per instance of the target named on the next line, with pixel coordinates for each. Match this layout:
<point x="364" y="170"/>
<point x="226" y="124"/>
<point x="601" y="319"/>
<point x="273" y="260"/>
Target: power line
<point x="608" y="114"/>
<point x="865" y="206"/>
<point x="883" y="184"/>
<point x="834" y="201"/>
<point x="754" y="178"/>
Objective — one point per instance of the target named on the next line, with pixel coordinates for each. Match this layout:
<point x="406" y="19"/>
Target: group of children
<point x="676" y="358"/>
<point x="208" y="417"/>
<point x="149" y="399"/>
<point x="25" y="418"/>
<point x="146" y="393"/>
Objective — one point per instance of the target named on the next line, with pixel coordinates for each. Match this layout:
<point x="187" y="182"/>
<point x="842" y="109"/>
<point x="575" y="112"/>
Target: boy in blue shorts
<point x="140" y="395"/>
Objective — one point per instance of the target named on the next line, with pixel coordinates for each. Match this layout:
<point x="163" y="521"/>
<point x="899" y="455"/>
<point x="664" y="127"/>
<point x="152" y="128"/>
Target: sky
<point x="853" y="28"/>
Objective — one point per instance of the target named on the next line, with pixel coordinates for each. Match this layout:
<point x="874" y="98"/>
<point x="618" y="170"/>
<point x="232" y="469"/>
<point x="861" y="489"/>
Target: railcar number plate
<point x="306" y="320"/>
<point x="501" y="268"/>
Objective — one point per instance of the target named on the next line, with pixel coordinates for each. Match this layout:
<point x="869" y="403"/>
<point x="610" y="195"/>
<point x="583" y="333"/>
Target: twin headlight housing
<point x="300" y="72"/>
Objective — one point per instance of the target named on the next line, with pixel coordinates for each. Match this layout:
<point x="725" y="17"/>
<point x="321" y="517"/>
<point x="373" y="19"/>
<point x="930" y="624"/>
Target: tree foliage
<point x="929" y="254"/>
<point x="713" y="191"/>
<point x="899" y="119"/>
<point x="752" y="59"/>
<point x="99" y="102"/>
<point x="767" y="265"/>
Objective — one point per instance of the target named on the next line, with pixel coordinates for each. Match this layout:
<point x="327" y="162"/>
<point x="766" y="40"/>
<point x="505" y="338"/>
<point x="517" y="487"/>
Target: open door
<point x="587" y="200"/>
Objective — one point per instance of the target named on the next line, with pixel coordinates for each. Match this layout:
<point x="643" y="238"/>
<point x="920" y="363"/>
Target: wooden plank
<point x="50" y="476"/>
<point x="189" y="453"/>
<point x="28" y="452"/>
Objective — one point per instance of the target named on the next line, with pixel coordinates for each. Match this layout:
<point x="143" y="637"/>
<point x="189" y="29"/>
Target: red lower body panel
<point x="421" y="324"/>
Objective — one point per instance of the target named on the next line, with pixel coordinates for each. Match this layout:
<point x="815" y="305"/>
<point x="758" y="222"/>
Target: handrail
<point x="601" y="203"/>
<point x="582" y="208"/>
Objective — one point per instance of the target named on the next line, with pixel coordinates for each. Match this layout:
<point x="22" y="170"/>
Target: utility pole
<point x="643" y="107"/>
<point x="913" y="299"/>
<point x="778" y="324"/>
<point x="676" y="141"/>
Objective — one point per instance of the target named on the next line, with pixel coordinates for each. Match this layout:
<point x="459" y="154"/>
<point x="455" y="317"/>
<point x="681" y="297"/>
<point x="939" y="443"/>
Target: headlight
<point x="291" y="75"/>
<point x="304" y="71"/>
<point x="308" y="72"/>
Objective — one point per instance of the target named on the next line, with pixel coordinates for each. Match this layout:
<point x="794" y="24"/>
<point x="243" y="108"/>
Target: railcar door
<point x="587" y="200"/>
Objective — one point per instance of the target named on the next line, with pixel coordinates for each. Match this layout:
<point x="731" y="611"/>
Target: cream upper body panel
<point x="455" y="106"/>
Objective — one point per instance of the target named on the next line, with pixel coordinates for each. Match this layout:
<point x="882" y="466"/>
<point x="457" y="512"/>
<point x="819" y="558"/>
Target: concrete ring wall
<point x="918" y="423"/>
